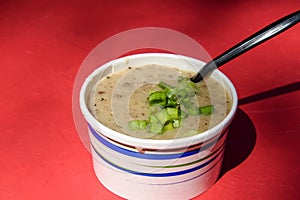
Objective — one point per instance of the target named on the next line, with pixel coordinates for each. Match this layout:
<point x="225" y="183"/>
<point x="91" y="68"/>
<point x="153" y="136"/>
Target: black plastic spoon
<point x="257" y="38"/>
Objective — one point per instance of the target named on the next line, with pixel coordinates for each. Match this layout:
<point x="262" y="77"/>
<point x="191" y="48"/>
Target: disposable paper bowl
<point x="136" y="168"/>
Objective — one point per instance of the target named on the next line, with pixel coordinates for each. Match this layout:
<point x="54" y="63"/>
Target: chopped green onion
<point x="186" y="84"/>
<point x="169" y="126"/>
<point x="137" y="124"/>
<point x="155" y="126"/>
<point x="206" y="110"/>
<point x="173" y="113"/>
<point x="159" y="98"/>
<point x="164" y="85"/>
<point x="172" y="101"/>
<point x="176" y="123"/>
<point x="165" y="111"/>
<point x="163" y="116"/>
<point x="154" y="109"/>
<point x="167" y="114"/>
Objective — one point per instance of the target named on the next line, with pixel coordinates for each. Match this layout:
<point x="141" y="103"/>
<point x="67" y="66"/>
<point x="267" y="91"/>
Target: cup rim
<point x="146" y="143"/>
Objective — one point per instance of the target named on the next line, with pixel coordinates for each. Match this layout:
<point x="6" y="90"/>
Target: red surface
<point x="43" y="43"/>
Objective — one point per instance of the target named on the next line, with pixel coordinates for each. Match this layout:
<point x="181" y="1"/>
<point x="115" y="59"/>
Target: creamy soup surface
<point x="122" y="96"/>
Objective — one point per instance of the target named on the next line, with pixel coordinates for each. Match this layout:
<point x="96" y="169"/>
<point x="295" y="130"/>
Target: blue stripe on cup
<point x="186" y="180"/>
<point x="150" y="156"/>
<point x="157" y="174"/>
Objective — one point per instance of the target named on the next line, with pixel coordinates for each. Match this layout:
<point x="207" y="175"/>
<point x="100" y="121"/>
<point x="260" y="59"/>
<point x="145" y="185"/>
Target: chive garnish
<point x="165" y="111"/>
<point x="206" y="110"/>
<point x="137" y="124"/>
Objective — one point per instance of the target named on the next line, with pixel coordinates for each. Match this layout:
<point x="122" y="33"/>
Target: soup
<point x="122" y="96"/>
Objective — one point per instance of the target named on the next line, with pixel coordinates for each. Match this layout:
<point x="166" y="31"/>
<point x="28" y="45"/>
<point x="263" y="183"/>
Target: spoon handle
<point x="257" y="38"/>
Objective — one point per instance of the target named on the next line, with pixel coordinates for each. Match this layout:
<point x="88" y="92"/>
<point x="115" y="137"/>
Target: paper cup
<point x="136" y="168"/>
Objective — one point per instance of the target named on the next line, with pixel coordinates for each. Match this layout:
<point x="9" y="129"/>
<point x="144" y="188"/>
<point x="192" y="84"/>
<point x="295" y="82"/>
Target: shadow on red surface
<point x="240" y="141"/>
<point x="292" y="87"/>
<point x="242" y="135"/>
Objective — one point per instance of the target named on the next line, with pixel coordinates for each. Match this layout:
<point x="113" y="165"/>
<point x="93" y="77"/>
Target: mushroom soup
<point x="123" y="96"/>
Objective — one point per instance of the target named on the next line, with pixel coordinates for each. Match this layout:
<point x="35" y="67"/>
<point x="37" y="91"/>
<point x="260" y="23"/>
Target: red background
<point x="43" y="43"/>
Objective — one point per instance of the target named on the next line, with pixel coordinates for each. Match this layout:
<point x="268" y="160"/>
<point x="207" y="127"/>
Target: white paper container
<point x="165" y="169"/>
